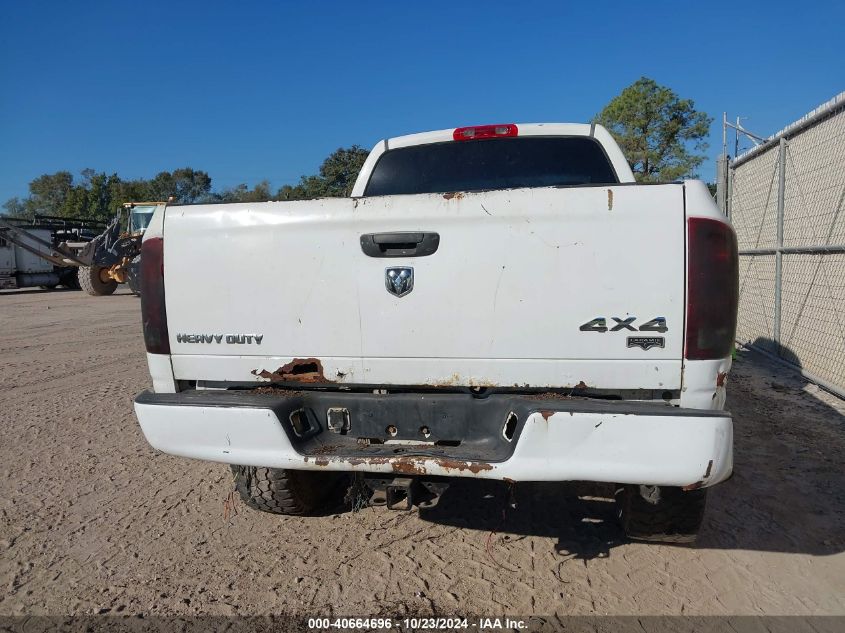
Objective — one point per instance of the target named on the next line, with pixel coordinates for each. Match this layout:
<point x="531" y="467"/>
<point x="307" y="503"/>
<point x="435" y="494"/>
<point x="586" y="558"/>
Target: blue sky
<point x="257" y="90"/>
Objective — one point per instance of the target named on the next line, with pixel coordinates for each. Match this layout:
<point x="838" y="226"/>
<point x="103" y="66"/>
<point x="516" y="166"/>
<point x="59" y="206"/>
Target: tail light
<point x="713" y="289"/>
<point x="484" y="131"/>
<point x="153" y="312"/>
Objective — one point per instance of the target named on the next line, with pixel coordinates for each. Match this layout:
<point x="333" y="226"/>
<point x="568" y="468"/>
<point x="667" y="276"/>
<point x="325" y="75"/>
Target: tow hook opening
<point x="509" y="429"/>
<point x="300" y="423"/>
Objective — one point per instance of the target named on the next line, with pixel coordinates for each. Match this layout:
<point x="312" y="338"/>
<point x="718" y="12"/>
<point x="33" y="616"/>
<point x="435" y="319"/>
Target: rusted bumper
<point x="450" y="434"/>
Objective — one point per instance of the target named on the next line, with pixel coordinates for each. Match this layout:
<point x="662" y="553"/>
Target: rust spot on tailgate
<point x="581" y="385"/>
<point x="298" y="370"/>
<point x="547" y="414"/>
<point x="703" y="480"/>
<point x="452" y="381"/>
<point x="721" y="378"/>
<point x="457" y="195"/>
<point x="610" y="199"/>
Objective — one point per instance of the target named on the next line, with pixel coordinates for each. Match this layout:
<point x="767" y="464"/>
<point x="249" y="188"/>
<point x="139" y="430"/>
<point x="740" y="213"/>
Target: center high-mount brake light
<point x="476" y="132"/>
<point x="153" y="313"/>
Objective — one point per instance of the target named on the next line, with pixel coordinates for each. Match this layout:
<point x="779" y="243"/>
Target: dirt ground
<point x="94" y="521"/>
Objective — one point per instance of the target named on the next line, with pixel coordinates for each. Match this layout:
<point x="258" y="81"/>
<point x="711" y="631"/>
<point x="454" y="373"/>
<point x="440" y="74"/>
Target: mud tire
<point x="672" y="515"/>
<point x="282" y="491"/>
<point x="133" y="276"/>
<point x="91" y="281"/>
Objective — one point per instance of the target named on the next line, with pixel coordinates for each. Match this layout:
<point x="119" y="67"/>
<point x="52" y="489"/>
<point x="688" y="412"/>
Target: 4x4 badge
<point x="646" y="342"/>
<point x="399" y="280"/>
<point x="599" y="324"/>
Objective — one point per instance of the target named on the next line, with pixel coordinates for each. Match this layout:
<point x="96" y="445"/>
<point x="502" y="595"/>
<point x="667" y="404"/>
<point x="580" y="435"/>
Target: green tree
<point x="133" y="191"/>
<point x="660" y="134"/>
<point x="48" y="194"/>
<point x="242" y="193"/>
<point x="75" y="204"/>
<point x="97" y="195"/>
<point x="103" y="194"/>
<point x="15" y="207"/>
<point x="340" y="170"/>
<point x="336" y="178"/>
<point x="186" y="185"/>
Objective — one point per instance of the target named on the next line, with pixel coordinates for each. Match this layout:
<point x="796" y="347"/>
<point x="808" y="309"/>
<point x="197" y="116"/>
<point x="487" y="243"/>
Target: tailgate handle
<point x="402" y="244"/>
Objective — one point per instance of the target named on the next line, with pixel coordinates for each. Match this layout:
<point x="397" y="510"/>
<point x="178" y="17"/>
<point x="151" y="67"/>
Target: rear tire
<point x="133" y="276"/>
<point x="93" y="280"/>
<point x="661" y="513"/>
<point x="282" y="491"/>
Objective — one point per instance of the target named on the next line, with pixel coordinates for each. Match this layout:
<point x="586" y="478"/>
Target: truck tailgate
<point x="502" y="301"/>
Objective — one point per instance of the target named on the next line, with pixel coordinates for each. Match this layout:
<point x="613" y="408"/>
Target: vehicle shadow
<point x="35" y="290"/>
<point x="579" y="515"/>
<point x="787" y="493"/>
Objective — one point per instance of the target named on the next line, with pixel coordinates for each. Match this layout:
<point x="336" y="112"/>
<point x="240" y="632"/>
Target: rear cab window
<point x="502" y="163"/>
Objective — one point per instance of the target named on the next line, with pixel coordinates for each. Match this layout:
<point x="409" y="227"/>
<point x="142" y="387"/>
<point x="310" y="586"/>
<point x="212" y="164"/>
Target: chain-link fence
<point x="785" y="199"/>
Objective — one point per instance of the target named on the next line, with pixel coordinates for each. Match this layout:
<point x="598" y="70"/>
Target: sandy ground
<point x="94" y="521"/>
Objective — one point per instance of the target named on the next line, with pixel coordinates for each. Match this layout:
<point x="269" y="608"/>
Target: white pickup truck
<point x="501" y="302"/>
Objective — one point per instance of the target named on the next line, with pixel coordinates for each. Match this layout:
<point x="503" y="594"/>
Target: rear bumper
<point x="552" y="440"/>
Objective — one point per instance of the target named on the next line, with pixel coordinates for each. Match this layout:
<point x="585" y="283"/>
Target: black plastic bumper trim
<point x="245" y="398"/>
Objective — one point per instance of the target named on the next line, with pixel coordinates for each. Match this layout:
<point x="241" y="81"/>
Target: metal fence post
<point x="779" y="245"/>
<point x="729" y="187"/>
<point x="722" y="183"/>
